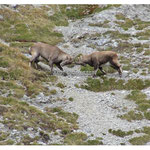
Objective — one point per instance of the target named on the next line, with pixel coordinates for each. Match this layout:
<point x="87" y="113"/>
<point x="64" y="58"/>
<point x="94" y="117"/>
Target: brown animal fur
<point x="50" y="53"/>
<point x="97" y="59"/>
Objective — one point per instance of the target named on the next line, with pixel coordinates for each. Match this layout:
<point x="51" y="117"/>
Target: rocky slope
<point x="111" y="117"/>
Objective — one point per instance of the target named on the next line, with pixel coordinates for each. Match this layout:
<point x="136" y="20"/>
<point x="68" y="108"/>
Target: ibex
<point x="50" y="53"/>
<point x="96" y="59"/>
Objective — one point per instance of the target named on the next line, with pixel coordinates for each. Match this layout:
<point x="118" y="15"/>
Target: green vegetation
<point x="60" y="85"/>
<point x="31" y="24"/>
<point x="106" y="84"/>
<point x="147" y="115"/>
<point x="27" y="140"/>
<point x="141" y="140"/>
<point x="71" y="99"/>
<point x="28" y="25"/>
<point x="139" y="49"/>
<point x="53" y="92"/>
<point x="147" y="52"/>
<point x="107" y="69"/>
<point x="18" y="71"/>
<point x="20" y="115"/>
<point x="132" y="115"/>
<point x="75" y="139"/>
<point x="118" y="35"/>
<point x="120" y="16"/>
<point x="124" y="60"/>
<point x="127" y="67"/>
<point x="80" y="138"/>
<point x="137" y="96"/>
<point x="142" y="105"/>
<point x="104" y="24"/>
<point x="120" y="133"/>
<point x="7" y="142"/>
<point x="70" y="117"/>
<point x="143" y="35"/>
<point x="128" y="23"/>
<point x="3" y="136"/>
<point x="87" y="68"/>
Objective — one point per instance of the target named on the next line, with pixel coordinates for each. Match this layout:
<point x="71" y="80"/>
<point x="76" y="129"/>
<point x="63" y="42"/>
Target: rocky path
<point x="97" y="111"/>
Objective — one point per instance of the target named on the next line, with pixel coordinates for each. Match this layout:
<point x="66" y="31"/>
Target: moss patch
<point x="143" y="104"/>
<point x="141" y="140"/>
<point x="60" y="85"/>
<point x="75" y="139"/>
<point x="120" y="132"/>
<point x="18" y="71"/>
<point x="106" y="84"/>
<point x="20" y="116"/>
<point x="132" y="115"/>
<point x="147" y="52"/>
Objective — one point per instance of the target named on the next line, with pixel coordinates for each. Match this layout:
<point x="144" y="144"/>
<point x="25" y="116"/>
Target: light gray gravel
<point x="98" y="111"/>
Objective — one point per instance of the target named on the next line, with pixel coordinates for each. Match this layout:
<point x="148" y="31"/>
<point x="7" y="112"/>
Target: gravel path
<point x="98" y="111"/>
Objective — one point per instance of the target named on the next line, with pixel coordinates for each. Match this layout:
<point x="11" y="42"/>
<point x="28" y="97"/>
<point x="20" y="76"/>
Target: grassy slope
<point x="21" y="29"/>
<point x="30" y="25"/>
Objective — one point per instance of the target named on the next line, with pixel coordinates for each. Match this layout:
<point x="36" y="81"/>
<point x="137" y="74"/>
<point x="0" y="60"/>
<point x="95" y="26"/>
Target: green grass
<point x="27" y="140"/>
<point x="71" y="99"/>
<point x="60" y="85"/>
<point x="94" y="142"/>
<point x="128" y="23"/>
<point x="120" y="16"/>
<point x="127" y="67"/>
<point x="117" y="35"/>
<point x="106" y="84"/>
<point x="135" y="70"/>
<point x="70" y="117"/>
<point x="125" y="25"/>
<point x="143" y="104"/>
<point x="137" y="96"/>
<point x="143" y="35"/>
<point x="16" y="90"/>
<point x="7" y="142"/>
<point x="132" y="115"/>
<point x="19" y="71"/>
<point x="28" y="32"/>
<point x="34" y="24"/>
<point x="75" y="139"/>
<point x="104" y="24"/>
<point x="147" y="52"/>
<point x="141" y="140"/>
<point x="53" y="92"/>
<point x="147" y="115"/>
<point x="124" y="60"/>
<point x="20" y="115"/>
<point x="139" y="49"/>
<point x="3" y="135"/>
<point x="80" y="138"/>
<point x="120" y="133"/>
<point x="88" y="68"/>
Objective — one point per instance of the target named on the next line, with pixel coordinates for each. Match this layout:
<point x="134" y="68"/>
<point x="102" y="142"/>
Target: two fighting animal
<point x="56" y="56"/>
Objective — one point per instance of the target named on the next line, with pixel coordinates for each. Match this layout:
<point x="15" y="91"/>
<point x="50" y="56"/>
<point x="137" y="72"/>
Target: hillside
<point x="72" y="108"/>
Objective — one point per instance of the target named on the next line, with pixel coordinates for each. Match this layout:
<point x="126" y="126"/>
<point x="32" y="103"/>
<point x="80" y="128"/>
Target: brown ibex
<point x="96" y="59"/>
<point x="50" y="53"/>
